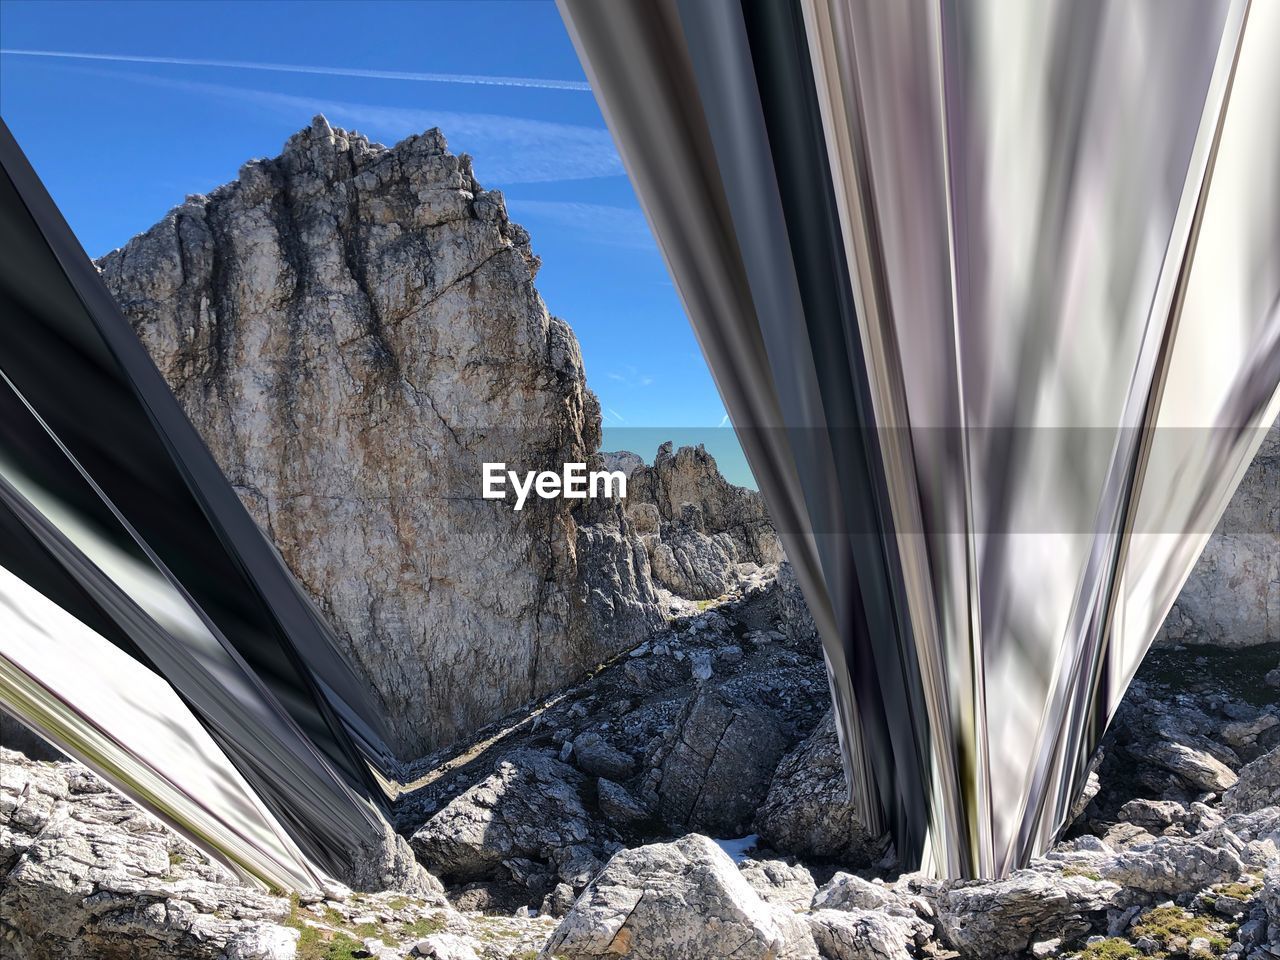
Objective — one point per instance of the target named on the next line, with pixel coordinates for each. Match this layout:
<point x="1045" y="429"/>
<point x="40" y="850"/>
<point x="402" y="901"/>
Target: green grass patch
<point x="424" y="927"/>
<point x="1239" y="890"/>
<point x="1113" y="948"/>
<point x="1165" y="924"/>
<point x="1071" y="870"/>
<point x="317" y="944"/>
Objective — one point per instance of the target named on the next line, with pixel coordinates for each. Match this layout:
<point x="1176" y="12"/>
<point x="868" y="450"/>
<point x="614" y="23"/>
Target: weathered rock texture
<point x="1003" y="917"/>
<point x="1258" y="785"/>
<point x="354" y="330"/>
<point x="529" y="810"/>
<point x="718" y="768"/>
<point x="1233" y="595"/>
<point x="807" y="809"/>
<point x="677" y="901"/>
<point x="681" y="735"/>
<point x="697" y="527"/>
<point x="85" y="874"/>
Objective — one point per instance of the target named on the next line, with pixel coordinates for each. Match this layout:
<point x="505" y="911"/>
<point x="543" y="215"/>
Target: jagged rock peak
<point x="354" y="329"/>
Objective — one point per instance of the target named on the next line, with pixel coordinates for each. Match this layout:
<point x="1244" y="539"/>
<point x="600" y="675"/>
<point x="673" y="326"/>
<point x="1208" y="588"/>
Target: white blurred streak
<point x="1220" y="396"/>
<point x="125" y="721"/>
<point x="1022" y="190"/>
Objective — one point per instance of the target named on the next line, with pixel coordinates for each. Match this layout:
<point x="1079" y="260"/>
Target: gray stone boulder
<point x="807" y="811"/>
<point x="719" y="766"/>
<point x="529" y="809"/>
<point x="844" y="891"/>
<point x="783" y="884"/>
<point x="1271" y="895"/>
<point x="1004" y="917"/>
<point x="1174" y="865"/>
<point x="1258" y="785"/>
<point x="1244" y="735"/>
<point x="690" y="563"/>
<point x="594" y="755"/>
<point x="1197" y="767"/>
<point x="866" y="934"/>
<point x="1254" y="837"/>
<point x="1154" y="816"/>
<point x="677" y="901"/>
<point x="619" y="806"/>
<point x="447" y="946"/>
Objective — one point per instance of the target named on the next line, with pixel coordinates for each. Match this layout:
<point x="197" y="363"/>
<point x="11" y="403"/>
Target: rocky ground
<point x="686" y="801"/>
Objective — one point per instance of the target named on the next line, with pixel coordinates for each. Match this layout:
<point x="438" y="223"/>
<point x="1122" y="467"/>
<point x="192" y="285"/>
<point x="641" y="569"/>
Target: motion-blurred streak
<point x="215" y="694"/>
<point x="1023" y="248"/>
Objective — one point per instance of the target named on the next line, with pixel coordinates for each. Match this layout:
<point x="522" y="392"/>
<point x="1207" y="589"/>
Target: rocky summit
<point x="354" y="330"/>
<point x="614" y="716"/>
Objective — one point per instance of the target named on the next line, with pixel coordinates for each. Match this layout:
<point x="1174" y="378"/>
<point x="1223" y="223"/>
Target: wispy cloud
<point x="599" y="223"/>
<point x="724" y="421"/>
<point x="413" y="76"/>
<point x="507" y="149"/>
<point x="630" y="377"/>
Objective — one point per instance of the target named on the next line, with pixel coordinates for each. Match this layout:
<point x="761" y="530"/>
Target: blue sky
<point x="120" y="141"/>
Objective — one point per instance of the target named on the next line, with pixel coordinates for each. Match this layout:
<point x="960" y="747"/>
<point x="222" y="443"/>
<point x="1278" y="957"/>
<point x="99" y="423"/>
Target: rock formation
<point x="677" y="901"/>
<point x="807" y="810"/>
<point x="86" y="874"/>
<point x="699" y="529"/>
<point x="354" y="330"/>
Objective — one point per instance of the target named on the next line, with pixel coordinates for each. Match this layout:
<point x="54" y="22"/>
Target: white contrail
<point x="475" y="80"/>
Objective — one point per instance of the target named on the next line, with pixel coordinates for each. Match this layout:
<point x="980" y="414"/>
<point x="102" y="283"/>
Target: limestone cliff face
<point x="354" y="330"/>
<point x="1233" y="595"/>
<point x="698" y="529"/>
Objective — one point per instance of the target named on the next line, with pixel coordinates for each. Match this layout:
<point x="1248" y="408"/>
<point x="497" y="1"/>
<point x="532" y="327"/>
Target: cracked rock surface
<point x="677" y="901"/>
<point x="354" y="329"/>
<point x="86" y="874"/>
<point x="699" y="529"/>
